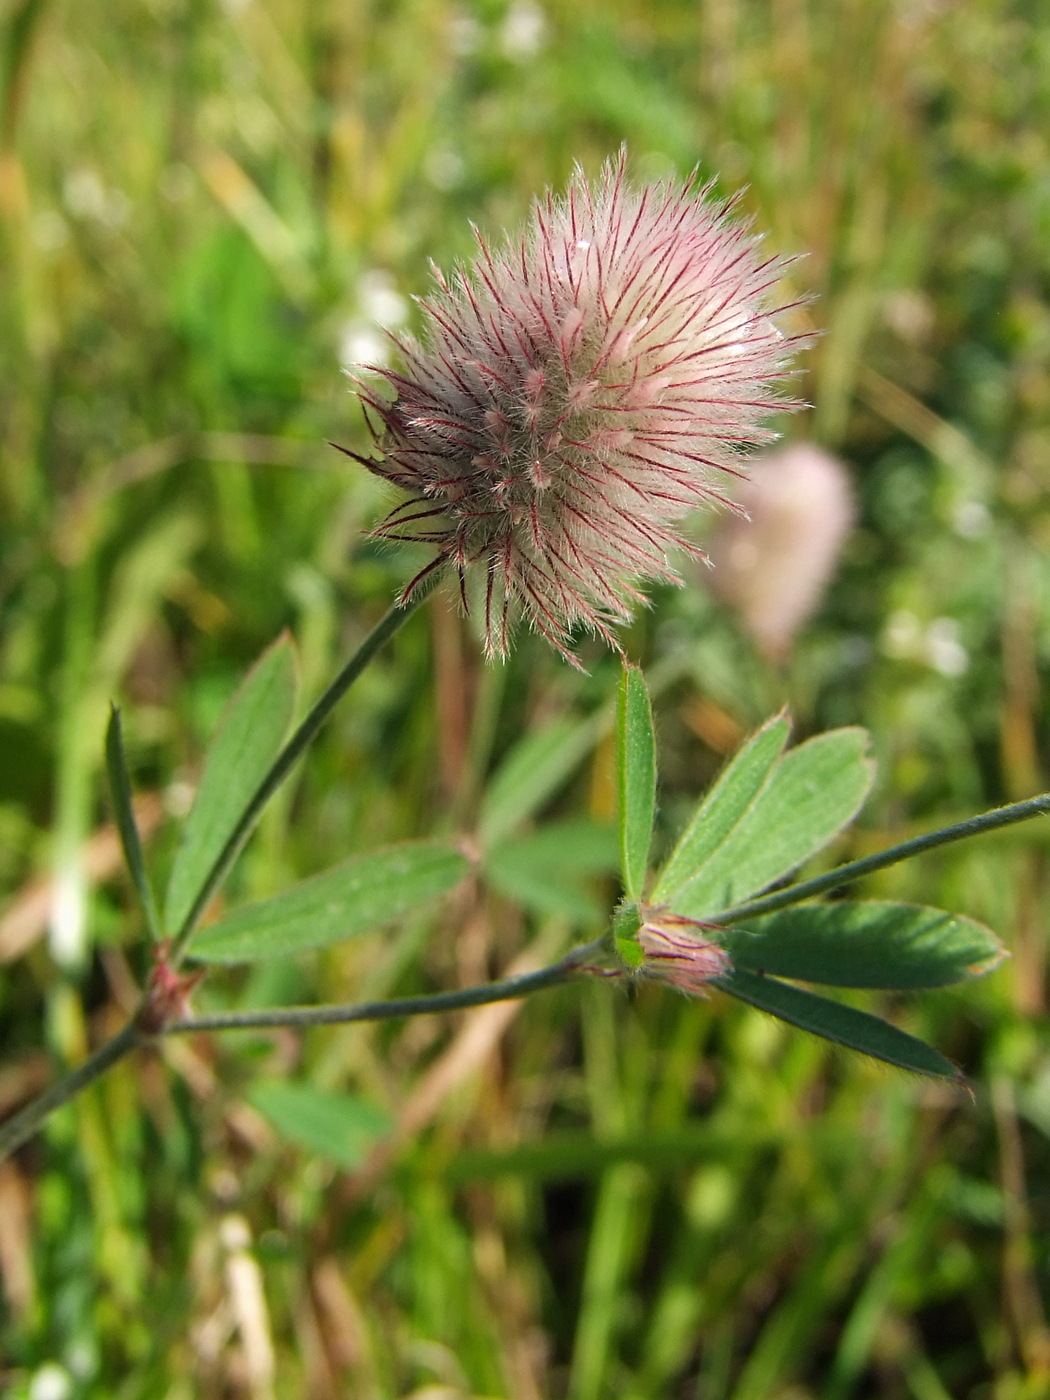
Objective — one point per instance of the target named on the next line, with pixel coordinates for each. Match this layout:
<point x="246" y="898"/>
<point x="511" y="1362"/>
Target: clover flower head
<point x="576" y="393"/>
<point x="774" y="564"/>
<point x="672" y="953"/>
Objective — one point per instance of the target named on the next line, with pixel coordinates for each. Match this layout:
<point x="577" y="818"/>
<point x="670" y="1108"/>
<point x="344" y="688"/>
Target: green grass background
<point x="203" y="206"/>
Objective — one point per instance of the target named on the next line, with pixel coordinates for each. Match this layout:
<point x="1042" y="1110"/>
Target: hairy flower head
<point x="575" y="394"/>
<point x="672" y="953"/>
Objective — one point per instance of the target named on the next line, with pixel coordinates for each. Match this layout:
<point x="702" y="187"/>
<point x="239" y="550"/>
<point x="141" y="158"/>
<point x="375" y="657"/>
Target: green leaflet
<point x="723" y="807"/>
<point x="636" y="779"/>
<point x="247" y="742"/>
<point x="340" y="1127"/>
<point x="530" y="774"/>
<point x="808" y="796"/>
<point x="546" y="870"/>
<point x="845" y="1025"/>
<point x="359" y="895"/>
<point x="862" y="944"/>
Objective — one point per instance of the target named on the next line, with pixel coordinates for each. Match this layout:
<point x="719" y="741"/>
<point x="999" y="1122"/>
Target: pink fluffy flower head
<point x="672" y="952"/>
<point x="575" y="394"/>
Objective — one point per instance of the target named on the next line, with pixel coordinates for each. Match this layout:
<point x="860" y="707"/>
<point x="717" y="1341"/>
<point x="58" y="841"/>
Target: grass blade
<point x="120" y="789"/>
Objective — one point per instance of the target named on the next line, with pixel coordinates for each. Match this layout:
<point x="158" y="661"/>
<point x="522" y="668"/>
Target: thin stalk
<point x="21" y="1126"/>
<point x="124" y="811"/>
<point x="284" y="763"/>
<point x="857" y="869"/>
<point x="509" y="989"/>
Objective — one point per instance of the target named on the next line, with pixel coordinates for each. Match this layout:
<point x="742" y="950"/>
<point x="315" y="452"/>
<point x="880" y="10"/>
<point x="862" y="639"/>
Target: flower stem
<point x="20" y="1127"/>
<point x="285" y="761"/>
<point x="857" y="869"/>
<point x="509" y="989"/>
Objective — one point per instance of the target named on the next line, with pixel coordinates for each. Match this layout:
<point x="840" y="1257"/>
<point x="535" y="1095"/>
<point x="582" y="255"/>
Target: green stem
<point x="284" y="763"/>
<point x="509" y="989"/>
<point x="857" y="869"/>
<point x="18" y="1129"/>
<point x="21" y="1126"/>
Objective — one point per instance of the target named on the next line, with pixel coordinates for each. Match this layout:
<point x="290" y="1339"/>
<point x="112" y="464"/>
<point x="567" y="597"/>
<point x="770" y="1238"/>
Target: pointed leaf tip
<point x="835" y="1021"/>
<point x="869" y="943"/>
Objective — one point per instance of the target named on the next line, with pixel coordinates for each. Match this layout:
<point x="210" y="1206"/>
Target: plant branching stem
<point x="509" y="989"/>
<point x="21" y="1126"/>
<point x="284" y="763"/>
<point x="857" y="869"/>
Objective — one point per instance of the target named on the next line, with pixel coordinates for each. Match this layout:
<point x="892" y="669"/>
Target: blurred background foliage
<point x="205" y="210"/>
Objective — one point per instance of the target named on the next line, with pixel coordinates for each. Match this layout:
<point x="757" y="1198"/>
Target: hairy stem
<point x="20" y="1127"/>
<point x="857" y="869"/>
<point x="284" y="763"/>
<point x="509" y="989"/>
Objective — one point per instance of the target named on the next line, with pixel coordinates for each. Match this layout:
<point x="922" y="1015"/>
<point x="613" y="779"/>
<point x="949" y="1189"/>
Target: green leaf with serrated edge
<point x="530" y="774"/>
<point x="636" y="779"/>
<point x="248" y="740"/>
<point x="120" y="789"/>
<point x="811" y="794"/>
<point x="862" y="944"/>
<point x="724" y="806"/>
<point x="340" y="1127"/>
<point x="359" y="895"/>
<point x="544" y="870"/>
<point x="845" y="1025"/>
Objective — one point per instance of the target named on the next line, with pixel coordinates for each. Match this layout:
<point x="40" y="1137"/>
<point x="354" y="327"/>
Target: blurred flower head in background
<point x="575" y="394"/>
<point x="774" y="564"/>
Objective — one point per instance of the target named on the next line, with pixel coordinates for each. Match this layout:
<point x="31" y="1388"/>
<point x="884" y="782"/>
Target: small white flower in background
<point x="937" y="645"/>
<point x="902" y="637"/>
<point x="380" y="307"/>
<point x="444" y="169"/>
<point x="774" y="564"/>
<point x="51" y="1382"/>
<point x="86" y="197"/>
<point x="944" y="649"/>
<point x="911" y="314"/>
<point x="972" y="519"/>
<point x="464" y="34"/>
<point x="523" y="31"/>
<point x="380" y="300"/>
